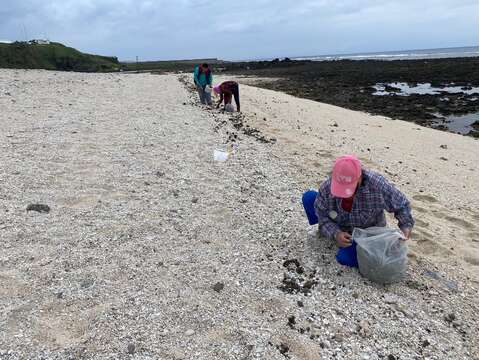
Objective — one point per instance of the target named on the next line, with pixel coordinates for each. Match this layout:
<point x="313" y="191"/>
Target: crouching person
<point x="354" y="197"/>
<point x="226" y="92"/>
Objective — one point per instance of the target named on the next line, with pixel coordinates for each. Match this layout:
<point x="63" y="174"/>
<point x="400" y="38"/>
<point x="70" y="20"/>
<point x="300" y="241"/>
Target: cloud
<point x="245" y="29"/>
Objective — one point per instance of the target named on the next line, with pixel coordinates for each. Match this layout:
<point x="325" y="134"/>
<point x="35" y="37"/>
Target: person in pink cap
<point x="354" y="197"/>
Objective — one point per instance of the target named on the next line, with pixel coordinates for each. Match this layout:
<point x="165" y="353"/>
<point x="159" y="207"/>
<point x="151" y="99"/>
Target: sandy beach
<point x="437" y="170"/>
<point x="151" y="250"/>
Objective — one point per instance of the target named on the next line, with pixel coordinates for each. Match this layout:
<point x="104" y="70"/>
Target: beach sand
<point x="437" y="170"/>
<point x="152" y="250"/>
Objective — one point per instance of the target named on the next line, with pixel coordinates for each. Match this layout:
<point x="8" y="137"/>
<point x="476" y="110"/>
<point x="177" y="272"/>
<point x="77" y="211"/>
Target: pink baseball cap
<point x="217" y="89"/>
<point x="346" y="175"/>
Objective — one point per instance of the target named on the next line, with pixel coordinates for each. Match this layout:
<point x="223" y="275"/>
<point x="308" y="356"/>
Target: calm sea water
<point x="469" y="51"/>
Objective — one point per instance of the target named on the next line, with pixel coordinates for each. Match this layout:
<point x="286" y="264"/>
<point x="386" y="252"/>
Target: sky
<point x="245" y="29"/>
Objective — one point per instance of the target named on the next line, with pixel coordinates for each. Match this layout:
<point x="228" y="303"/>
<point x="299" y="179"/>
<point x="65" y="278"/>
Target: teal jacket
<point x="202" y="79"/>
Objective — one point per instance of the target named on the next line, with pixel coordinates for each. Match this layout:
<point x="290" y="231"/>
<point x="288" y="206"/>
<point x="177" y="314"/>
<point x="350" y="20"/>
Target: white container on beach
<point x="230" y="108"/>
<point x="220" y="155"/>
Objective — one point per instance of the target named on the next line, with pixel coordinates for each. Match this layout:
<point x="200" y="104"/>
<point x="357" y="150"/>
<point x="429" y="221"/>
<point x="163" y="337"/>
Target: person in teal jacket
<point x="203" y="78"/>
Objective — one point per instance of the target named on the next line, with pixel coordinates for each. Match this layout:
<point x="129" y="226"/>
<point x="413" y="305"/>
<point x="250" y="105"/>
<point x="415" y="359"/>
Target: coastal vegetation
<point x="53" y="56"/>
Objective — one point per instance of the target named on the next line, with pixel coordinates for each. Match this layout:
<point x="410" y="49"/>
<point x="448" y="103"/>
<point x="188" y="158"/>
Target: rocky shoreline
<point x="351" y="84"/>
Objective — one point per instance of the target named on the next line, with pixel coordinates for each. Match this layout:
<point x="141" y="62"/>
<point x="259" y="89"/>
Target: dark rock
<point x="425" y="343"/>
<point x="283" y="348"/>
<point x="218" y="287"/>
<point x="41" y="208"/>
<point x="195" y="200"/>
<point x="300" y="303"/>
<point x="450" y="317"/>
<point x="131" y="349"/>
<point x="293" y="265"/>
<point x="290" y="285"/>
<point x="391" y="357"/>
<point x="291" y="321"/>
<point x="443" y="146"/>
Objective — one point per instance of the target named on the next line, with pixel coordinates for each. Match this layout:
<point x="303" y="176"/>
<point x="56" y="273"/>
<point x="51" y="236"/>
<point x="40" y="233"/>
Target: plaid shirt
<point x="374" y="195"/>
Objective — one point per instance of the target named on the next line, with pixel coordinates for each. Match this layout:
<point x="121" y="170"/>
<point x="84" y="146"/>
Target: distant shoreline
<point x="353" y="85"/>
<point x="412" y="54"/>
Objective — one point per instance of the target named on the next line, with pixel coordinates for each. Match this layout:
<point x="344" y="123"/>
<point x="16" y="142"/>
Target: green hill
<point x="53" y="56"/>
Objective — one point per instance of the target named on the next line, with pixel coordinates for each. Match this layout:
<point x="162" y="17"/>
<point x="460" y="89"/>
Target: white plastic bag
<point x="230" y="108"/>
<point x="382" y="254"/>
<point x="220" y="155"/>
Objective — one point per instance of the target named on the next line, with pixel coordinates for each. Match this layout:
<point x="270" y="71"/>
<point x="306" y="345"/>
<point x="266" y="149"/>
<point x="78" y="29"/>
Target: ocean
<point x="468" y="51"/>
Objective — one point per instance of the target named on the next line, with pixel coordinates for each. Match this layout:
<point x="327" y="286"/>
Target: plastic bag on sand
<point x="220" y="155"/>
<point x="382" y="254"/>
<point x="230" y="108"/>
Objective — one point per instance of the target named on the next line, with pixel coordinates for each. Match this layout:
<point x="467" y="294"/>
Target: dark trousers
<point x="235" y="93"/>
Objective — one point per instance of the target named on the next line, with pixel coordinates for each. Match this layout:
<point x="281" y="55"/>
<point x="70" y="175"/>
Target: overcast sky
<point x="245" y="29"/>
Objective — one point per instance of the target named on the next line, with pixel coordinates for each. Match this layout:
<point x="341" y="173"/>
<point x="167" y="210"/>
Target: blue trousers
<point x="346" y="256"/>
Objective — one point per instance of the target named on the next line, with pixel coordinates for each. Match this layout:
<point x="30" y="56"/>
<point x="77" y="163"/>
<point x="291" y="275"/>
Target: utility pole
<point x="137" y="66"/>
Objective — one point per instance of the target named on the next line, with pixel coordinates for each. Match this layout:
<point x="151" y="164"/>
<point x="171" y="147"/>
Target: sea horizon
<point x="433" y="53"/>
<point x="411" y="54"/>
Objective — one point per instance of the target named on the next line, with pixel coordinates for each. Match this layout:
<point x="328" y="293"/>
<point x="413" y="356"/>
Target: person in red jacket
<point x="227" y="91"/>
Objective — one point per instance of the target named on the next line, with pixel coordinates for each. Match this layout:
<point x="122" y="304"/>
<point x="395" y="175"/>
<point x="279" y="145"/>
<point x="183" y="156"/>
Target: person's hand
<point x="344" y="239"/>
<point x="406" y="233"/>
